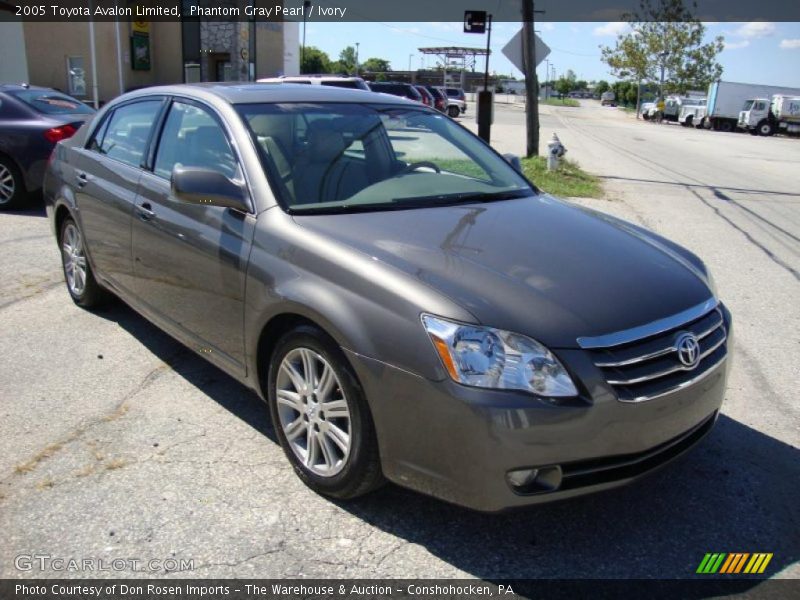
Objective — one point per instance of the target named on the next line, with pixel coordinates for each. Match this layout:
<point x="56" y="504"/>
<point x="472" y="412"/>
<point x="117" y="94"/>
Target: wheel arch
<point x="272" y="331"/>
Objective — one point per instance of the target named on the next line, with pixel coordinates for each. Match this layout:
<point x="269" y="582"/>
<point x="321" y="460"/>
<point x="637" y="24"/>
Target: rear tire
<point x="81" y="284"/>
<point x="453" y="111"/>
<point x="321" y="416"/>
<point x="12" y="186"/>
<point x="725" y="126"/>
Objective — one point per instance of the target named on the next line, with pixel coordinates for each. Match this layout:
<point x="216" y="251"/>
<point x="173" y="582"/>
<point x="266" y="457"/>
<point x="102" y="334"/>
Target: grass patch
<point x="568" y="180"/>
<point x="560" y="102"/>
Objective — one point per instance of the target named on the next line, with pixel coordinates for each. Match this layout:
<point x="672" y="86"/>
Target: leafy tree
<point x="564" y="86"/>
<point x="581" y="84"/>
<point x="601" y="87"/>
<point x="314" y="60"/>
<point x="664" y="34"/>
<point x="347" y="58"/>
<point x="376" y="65"/>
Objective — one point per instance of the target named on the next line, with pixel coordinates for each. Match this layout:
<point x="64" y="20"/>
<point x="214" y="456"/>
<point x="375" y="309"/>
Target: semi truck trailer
<point x="726" y="99"/>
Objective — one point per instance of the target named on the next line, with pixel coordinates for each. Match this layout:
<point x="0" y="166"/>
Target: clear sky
<point x="758" y="52"/>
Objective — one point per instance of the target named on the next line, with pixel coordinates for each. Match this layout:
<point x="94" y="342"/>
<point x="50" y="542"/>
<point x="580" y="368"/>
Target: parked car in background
<point x="427" y="97"/>
<point x="341" y="81"/>
<point x="439" y="98"/>
<point x="404" y="90"/>
<point x="32" y="120"/>
<point x="310" y="243"/>
<point x="456" y="101"/>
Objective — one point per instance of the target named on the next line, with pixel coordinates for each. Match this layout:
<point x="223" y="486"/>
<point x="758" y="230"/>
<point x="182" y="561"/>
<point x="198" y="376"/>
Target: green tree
<point x="601" y="87"/>
<point x="376" y="65"/>
<point x="347" y="58"/>
<point x="581" y="84"/>
<point x="665" y="37"/>
<point x="314" y="60"/>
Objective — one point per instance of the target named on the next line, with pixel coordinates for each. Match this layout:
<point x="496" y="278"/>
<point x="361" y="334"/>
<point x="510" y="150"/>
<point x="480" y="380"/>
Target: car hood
<point x="537" y="265"/>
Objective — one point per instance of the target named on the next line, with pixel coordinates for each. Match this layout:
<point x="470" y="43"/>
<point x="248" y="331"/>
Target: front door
<point x="189" y="260"/>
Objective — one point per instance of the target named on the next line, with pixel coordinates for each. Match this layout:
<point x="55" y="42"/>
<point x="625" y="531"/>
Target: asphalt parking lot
<point x="117" y="442"/>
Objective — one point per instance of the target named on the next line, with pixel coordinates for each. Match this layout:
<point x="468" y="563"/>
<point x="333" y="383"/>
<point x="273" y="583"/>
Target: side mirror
<point x="514" y="161"/>
<point x="195" y="185"/>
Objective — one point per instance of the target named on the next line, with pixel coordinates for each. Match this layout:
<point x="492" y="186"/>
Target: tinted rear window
<point x="52" y="103"/>
<point x="352" y="85"/>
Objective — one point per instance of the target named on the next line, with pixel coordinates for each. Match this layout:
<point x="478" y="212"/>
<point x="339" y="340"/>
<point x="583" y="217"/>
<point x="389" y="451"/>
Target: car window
<point x="330" y="156"/>
<point x="341" y="83"/>
<point x="50" y="102"/>
<point x="192" y="137"/>
<point x="125" y="135"/>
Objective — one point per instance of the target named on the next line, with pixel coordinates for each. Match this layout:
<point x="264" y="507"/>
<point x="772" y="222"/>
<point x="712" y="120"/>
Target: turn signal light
<point x="56" y="134"/>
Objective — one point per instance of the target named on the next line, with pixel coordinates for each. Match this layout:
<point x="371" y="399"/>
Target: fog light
<point x="535" y="481"/>
<point x="522" y="478"/>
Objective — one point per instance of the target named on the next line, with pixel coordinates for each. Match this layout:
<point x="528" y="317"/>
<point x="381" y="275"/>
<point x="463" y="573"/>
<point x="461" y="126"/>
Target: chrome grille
<point x="650" y="366"/>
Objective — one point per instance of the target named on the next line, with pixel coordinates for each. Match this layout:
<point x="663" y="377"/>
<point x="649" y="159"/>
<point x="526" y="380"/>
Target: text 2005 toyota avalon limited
<point x="408" y="304"/>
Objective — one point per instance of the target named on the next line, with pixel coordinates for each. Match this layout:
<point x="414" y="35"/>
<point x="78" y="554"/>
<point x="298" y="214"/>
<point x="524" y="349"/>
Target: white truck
<point x="693" y="115"/>
<point x="761" y="116"/>
<point x="608" y="99"/>
<point x="726" y="98"/>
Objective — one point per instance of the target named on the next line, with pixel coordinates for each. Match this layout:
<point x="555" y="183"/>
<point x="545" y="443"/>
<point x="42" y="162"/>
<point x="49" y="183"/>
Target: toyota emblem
<point x="688" y="349"/>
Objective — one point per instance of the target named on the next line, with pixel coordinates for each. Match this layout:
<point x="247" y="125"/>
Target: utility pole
<point x="357" y="44"/>
<point x="531" y="83"/>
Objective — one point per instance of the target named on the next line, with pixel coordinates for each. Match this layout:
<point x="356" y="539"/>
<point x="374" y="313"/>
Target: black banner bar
<point x="375" y="10"/>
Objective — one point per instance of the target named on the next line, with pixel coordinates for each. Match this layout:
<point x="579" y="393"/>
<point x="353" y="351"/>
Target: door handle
<point x="145" y="211"/>
<point x="82" y="178"/>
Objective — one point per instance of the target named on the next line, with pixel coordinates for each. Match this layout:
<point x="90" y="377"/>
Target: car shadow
<point x="735" y="492"/>
<point x="32" y="209"/>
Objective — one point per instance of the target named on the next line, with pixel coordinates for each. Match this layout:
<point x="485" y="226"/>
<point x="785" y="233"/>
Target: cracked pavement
<point x="117" y="442"/>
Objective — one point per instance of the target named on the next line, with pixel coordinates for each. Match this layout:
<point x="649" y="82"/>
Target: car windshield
<point x="748" y="104"/>
<point x="52" y="103"/>
<point x="358" y="157"/>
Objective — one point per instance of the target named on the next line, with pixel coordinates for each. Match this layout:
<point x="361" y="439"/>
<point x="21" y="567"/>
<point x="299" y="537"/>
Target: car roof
<point x="251" y="93"/>
<point x="15" y="87"/>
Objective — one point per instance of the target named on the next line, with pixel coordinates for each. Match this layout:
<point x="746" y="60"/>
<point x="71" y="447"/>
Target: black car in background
<point x="32" y="120"/>
<point x="404" y="90"/>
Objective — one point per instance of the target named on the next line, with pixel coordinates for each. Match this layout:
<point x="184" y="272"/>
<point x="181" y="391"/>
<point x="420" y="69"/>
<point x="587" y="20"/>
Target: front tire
<point x="765" y="128"/>
<point x="453" y="111"/>
<point x="12" y="186"/>
<point x="81" y="284"/>
<point x="321" y="416"/>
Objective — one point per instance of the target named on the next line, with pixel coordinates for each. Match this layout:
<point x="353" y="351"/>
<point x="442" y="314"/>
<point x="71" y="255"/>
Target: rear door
<point x="190" y="260"/>
<point x="106" y="181"/>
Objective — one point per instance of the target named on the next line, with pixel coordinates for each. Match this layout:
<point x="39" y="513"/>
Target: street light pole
<point x="357" y="44"/>
<point x="531" y="82"/>
<point x="306" y="7"/>
<point x="663" y="57"/>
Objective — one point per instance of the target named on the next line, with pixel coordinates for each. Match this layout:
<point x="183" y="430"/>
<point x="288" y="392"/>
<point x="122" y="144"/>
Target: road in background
<point x="115" y="441"/>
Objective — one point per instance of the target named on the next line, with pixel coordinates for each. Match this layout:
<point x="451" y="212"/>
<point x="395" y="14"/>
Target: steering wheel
<point x="417" y="165"/>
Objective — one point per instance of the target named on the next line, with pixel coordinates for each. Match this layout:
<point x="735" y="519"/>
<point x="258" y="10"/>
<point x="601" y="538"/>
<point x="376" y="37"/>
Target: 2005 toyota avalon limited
<point x="408" y="304"/>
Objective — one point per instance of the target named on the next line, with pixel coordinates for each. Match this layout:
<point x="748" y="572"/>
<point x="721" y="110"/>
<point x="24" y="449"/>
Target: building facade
<point x="129" y="55"/>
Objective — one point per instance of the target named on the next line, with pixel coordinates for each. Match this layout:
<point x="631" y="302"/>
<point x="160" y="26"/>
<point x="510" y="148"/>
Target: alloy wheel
<point x="7" y="184"/>
<point x="74" y="258"/>
<point x="314" y="412"/>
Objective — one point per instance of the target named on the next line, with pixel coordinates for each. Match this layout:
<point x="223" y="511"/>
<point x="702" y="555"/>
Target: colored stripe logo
<point x="732" y="563"/>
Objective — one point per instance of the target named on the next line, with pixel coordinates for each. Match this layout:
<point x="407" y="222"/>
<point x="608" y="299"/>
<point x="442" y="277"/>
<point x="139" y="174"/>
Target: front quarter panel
<point x="367" y="306"/>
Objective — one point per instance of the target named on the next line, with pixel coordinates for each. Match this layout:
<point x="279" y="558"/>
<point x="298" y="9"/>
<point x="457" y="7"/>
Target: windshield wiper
<point x="463" y="198"/>
<point x="414" y="202"/>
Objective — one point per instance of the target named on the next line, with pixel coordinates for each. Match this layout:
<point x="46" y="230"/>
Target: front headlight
<point x="493" y="358"/>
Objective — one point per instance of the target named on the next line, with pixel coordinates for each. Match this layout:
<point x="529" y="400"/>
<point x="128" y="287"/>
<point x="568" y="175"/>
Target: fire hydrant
<point x="555" y="151"/>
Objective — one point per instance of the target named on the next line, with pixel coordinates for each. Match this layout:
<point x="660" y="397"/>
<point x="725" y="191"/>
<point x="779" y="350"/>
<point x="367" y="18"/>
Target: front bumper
<point x="458" y="443"/>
